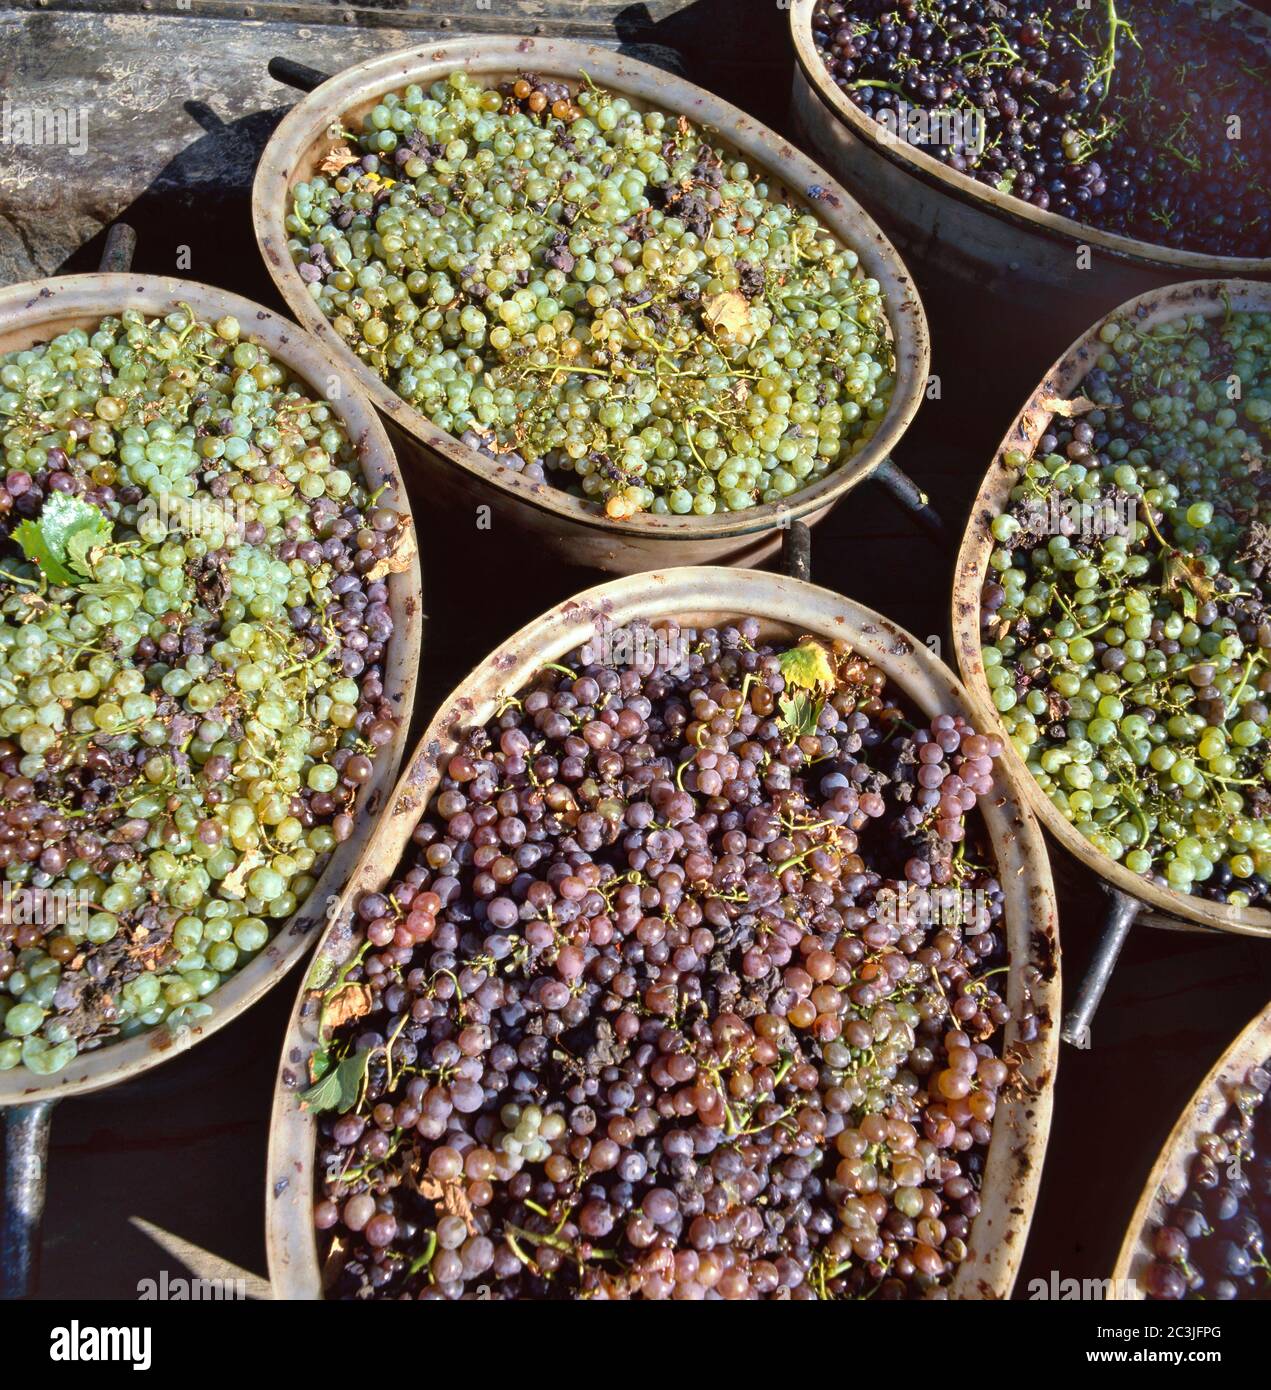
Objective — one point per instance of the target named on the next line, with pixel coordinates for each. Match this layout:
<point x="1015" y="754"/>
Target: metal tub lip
<point x="1167" y="1181"/>
<point x="292" y="154"/>
<point x="32" y="313"/>
<point x="1209" y="297"/>
<point x="1062" y="231"/>
<point x="789" y="608"/>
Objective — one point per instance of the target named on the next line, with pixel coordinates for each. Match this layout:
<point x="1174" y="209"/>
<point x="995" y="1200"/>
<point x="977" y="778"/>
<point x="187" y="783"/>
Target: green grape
<point x="676" y="349"/>
<point x="164" y="697"/>
<point x="1149" y="638"/>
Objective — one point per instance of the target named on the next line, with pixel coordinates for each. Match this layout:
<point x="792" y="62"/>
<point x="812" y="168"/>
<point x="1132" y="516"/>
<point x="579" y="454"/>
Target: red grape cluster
<point x="637" y="1017"/>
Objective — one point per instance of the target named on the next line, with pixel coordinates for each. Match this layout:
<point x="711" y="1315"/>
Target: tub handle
<point x="1122" y="911"/>
<point x="910" y="496"/>
<point x="298" y="75"/>
<point x="120" y="248"/>
<point x="26" y="1151"/>
<point x="796" y="551"/>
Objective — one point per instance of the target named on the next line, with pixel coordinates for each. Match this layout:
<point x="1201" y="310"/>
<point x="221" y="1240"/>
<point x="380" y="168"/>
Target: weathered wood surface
<point x="168" y="111"/>
<point x="160" y="120"/>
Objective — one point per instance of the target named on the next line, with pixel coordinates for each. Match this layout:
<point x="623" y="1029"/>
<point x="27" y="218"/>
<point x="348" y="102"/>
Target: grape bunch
<point x="1134" y="116"/>
<point x="657" y="1005"/>
<point x="1212" y="1245"/>
<point x="594" y="296"/>
<point x="193" y="623"/>
<point x="1127" y="638"/>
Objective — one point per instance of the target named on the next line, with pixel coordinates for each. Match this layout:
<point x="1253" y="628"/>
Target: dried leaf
<point x="1186" y="574"/>
<point x="451" y="1196"/>
<point x="488" y="436"/>
<point x="345" y="1004"/>
<point x="1253" y="460"/>
<point x="728" y="312"/>
<point x="397" y="561"/>
<point x="808" y="666"/>
<point x="336" y="158"/>
<point x="337" y="1254"/>
<point x="234" y="884"/>
<point x="1057" y="405"/>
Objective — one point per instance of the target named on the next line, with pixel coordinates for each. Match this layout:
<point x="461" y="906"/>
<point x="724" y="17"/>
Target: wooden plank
<point x="578" y="18"/>
<point x="170" y="114"/>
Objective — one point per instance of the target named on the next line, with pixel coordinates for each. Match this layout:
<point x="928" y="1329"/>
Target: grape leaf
<point x="1185" y="575"/>
<point x="85" y="544"/>
<point x="29" y="536"/>
<point x="808" y="666"/>
<point x="60" y="539"/>
<point x="800" y="714"/>
<point x="340" y="1087"/>
<point x="344" y="1004"/>
<point x="1057" y="405"/>
<point x="728" y="312"/>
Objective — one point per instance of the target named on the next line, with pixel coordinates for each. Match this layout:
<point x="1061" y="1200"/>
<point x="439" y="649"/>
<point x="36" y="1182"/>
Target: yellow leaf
<point x="808" y="665"/>
<point x="728" y="313"/>
<point x="1057" y="405"/>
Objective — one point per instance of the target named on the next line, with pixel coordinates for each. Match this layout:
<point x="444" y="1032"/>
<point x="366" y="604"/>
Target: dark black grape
<point x="1148" y="132"/>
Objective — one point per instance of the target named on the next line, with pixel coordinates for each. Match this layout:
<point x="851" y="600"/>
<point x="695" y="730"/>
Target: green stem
<point x="425" y="1259"/>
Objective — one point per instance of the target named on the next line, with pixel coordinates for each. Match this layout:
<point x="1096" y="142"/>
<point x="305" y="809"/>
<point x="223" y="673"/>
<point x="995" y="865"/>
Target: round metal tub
<point x="1168" y="1179"/>
<point x="463" y="480"/>
<point x="33" y="313"/>
<point x="951" y="225"/>
<point x="1210" y="298"/>
<point x="788" y="609"/>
